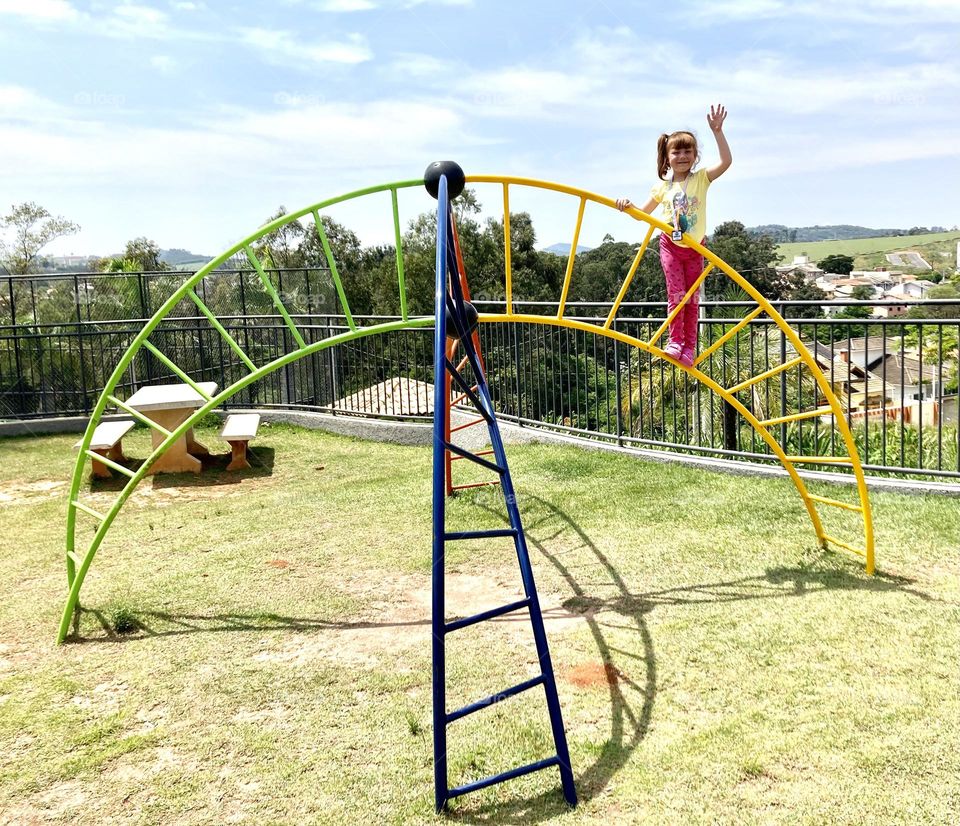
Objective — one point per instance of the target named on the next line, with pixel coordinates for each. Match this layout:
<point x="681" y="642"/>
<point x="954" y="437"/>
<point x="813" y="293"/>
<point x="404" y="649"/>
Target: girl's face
<point x="681" y="158"/>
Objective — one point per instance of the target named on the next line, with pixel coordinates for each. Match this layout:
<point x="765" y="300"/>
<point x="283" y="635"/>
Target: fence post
<point x="33" y="301"/>
<point x="517" y="367"/>
<point x="144" y="304"/>
<point x="16" y="347"/>
<point x="616" y="361"/>
<point x="83" y="369"/>
<point x="334" y="388"/>
<point x="289" y="374"/>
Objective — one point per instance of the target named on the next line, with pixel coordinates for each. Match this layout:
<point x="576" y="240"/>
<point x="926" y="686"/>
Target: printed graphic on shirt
<point x="684" y="209"/>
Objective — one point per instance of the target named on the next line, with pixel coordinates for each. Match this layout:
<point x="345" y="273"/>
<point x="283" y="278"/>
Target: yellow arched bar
<point x="728" y="394"/>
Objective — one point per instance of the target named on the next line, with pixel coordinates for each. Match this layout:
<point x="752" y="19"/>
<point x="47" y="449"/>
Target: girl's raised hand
<point x="716" y="117"/>
<point x="624" y="203"/>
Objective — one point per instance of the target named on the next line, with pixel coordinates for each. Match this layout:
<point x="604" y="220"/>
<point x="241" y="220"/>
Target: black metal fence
<point x="92" y="297"/>
<point x="896" y="377"/>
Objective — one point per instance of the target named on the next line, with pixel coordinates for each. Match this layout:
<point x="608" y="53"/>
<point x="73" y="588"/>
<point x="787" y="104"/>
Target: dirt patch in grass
<point x="398" y="617"/>
<point x="52" y="805"/>
<point x="12" y="659"/>
<point x="147" y="495"/>
<point x="28" y="493"/>
<point x="105" y="698"/>
<point x="587" y="675"/>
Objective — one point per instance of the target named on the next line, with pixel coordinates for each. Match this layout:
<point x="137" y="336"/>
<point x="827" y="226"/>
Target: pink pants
<point x="681" y="267"/>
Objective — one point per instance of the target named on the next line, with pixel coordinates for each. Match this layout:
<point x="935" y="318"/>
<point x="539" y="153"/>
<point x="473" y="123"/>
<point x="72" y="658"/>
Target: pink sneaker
<point x="687" y="356"/>
<point x="673" y="350"/>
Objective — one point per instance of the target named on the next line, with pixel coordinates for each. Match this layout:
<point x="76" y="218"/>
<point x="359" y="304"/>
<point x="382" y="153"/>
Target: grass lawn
<point x="870" y="251"/>
<point x="713" y="665"/>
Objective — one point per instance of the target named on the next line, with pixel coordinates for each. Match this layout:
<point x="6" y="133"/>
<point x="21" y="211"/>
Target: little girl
<point x="684" y="199"/>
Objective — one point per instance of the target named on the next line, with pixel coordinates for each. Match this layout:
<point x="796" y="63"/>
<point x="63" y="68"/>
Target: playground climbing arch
<point x="82" y="545"/>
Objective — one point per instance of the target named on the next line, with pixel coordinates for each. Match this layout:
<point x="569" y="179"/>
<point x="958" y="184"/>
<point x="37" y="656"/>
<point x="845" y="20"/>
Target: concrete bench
<point x="238" y="430"/>
<point x="106" y="442"/>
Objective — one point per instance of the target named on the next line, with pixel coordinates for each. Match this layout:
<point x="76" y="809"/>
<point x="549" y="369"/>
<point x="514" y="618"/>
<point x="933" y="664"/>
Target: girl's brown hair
<point x="682" y="140"/>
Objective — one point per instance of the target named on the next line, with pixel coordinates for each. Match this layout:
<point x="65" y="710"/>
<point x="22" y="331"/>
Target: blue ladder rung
<point x="485" y="615"/>
<point x="479" y="534"/>
<point x="486" y="702"/>
<point x="474" y="458"/>
<point x="508" y="775"/>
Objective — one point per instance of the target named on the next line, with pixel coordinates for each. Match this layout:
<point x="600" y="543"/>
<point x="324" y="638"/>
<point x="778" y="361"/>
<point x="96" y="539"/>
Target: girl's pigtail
<point x="662" y="163"/>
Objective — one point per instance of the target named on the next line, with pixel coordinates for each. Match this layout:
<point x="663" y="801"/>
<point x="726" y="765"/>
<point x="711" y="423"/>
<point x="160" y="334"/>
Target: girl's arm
<point x="715" y="120"/>
<point x="648" y="207"/>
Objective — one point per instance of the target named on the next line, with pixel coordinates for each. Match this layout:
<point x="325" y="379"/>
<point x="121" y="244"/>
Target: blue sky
<point x="190" y="122"/>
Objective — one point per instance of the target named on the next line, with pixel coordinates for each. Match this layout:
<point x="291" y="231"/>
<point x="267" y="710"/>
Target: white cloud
<point x="345" y="5"/>
<point x="283" y="47"/>
<point x="288" y="156"/>
<point x="421" y="66"/>
<point x="39" y="9"/>
<point x="245" y="161"/>
<point x="133" y="20"/>
<point x="352" y="133"/>
<point x="877" y="12"/>
<point x="524" y="91"/>
<point x="163" y="63"/>
<point x="17" y="98"/>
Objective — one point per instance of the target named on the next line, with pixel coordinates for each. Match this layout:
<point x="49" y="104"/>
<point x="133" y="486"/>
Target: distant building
<point x="844" y="287"/>
<point x="885" y="285"/>
<point x="71" y="260"/>
<point x="874" y="379"/>
<point x="801" y="265"/>
<point x="890" y="310"/>
<point x="911" y="290"/>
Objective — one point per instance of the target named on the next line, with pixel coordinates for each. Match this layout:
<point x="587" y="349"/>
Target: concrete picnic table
<point x="170" y="405"/>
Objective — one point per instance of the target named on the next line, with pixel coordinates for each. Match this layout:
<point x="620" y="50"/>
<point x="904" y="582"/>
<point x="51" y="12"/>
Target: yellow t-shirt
<point x="689" y="198"/>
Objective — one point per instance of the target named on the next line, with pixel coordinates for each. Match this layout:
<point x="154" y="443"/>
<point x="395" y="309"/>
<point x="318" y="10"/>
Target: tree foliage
<point x="139" y="255"/>
<point x="754" y="257"/>
<point x="840" y="264"/>
<point x="32" y="227"/>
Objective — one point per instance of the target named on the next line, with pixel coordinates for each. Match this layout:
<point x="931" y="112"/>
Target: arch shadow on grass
<point x="629" y="723"/>
<point x="629" y="719"/>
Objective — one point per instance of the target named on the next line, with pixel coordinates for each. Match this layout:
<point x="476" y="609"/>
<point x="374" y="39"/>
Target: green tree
<point x="536" y="275"/>
<point x="843" y="331"/>
<point x="944" y="311"/>
<point x="940" y="341"/>
<point x="465" y="205"/>
<point x="139" y="255"/>
<point x="282" y="247"/>
<point x="862" y="292"/>
<point x="33" y="227"/>
<point x="145" y="253"/>
<point x="754" y="257"/>
<point x="600" y="272"/>
<point x="840" y="264"/>
<point x="804" y="292"/>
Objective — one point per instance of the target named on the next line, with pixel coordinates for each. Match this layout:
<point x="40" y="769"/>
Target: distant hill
<point x="181" y="259"/>
<point x="564" y="249"/>
<point x="833" y="232"/>
<point x="939" y="249"/>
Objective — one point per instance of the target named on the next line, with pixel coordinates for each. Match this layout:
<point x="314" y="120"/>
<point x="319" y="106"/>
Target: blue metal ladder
<point x="449" y="303"/>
